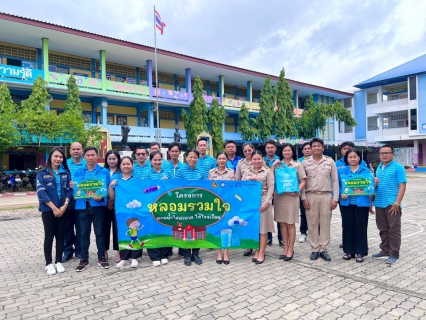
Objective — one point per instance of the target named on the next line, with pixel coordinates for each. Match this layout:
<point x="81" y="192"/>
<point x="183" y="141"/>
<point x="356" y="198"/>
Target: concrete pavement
<point x="300" y="289"/>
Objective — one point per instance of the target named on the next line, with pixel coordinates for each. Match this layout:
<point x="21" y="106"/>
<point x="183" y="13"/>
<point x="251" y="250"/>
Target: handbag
<point x="286" y="179"/>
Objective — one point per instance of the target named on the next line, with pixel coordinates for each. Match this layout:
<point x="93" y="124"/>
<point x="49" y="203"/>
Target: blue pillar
<point x="149" y="75"/>
<point x="188" y="80"/>
<point x="39" y="59"/>
<point x="208" y="87"/>
<point x="96" y="102"/>
<point x="315" y="98"/>
<point x="138" y="75"/>
<point x="221" y="86"/>
<point x="93" y="67"/>
<point x="249" y="91"/>
<point x="104" y="112"/>
<point x="332" y="100"/>
<point x="151" y="121"/>
<point x="296" y="98"/>
<point x="175" y="81"/>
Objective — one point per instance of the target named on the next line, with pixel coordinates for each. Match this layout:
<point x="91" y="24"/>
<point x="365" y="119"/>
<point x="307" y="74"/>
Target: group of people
<point x="319" y="181"/>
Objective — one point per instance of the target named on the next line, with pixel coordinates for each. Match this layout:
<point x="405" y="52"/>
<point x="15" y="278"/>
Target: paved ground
<point x="300" y="289"/>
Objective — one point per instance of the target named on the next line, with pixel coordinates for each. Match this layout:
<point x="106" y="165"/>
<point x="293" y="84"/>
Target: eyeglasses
<point x="385" y="153"/>
<point x="141" y="154"/>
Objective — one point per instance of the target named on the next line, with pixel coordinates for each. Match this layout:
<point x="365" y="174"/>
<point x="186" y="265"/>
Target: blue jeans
<point x="278" y="235"/>
<point x="86" y="217"/>
<point x="72" y="239"/>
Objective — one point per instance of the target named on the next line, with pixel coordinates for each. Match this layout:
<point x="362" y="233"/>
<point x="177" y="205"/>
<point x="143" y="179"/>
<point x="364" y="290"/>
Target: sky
<point x="333" y="43"/>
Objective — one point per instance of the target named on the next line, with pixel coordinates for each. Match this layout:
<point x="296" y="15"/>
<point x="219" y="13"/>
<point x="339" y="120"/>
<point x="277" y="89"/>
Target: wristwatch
<point x="66" y="202"/>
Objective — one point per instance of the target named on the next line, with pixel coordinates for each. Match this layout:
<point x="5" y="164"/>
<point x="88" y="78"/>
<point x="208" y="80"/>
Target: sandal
<point x="347" y="256"/>
<point x="359" y="258"/>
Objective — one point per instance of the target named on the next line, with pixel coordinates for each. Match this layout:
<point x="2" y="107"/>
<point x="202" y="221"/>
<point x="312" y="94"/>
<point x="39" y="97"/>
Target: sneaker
<point x="392" y="259"/>
<point x="50" y="269"/>
<point x="302" y="237"/>
<point x="103" y="263"/>
<point x="164" y="261"/>
<point x="121" y="264"/>
<point x="82" y="265"/>
<point x="59" y="267"/>
<point x="156" y="263"/>
<point x="134" y="264"/>
<point x="380" y="256"/>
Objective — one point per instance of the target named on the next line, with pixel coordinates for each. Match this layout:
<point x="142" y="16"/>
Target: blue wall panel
<point x="360" y="108"/>
<point x="421" y="98"/>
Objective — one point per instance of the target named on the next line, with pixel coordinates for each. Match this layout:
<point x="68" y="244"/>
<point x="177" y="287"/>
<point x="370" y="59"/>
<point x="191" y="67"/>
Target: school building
<point x="116" y="80"/>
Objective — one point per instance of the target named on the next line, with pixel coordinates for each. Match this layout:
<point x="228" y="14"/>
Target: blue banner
<point x="187" y="214"/>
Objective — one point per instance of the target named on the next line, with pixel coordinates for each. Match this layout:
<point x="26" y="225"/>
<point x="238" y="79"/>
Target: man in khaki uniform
<point x="319" y="197"/>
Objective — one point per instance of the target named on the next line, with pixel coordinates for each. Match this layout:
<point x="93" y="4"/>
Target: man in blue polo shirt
<point x="72" y="239"/>
<point x="230" y="150"/>
<point x="91" y="210"/>
<point x="389" y="193"/>
<point x="142" y="166"/>
<point x="205" y="162"/>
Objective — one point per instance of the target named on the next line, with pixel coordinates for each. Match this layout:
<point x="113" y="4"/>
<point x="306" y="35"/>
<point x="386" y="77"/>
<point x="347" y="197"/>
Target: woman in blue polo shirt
<point x="158" y="256"/>
<point x="127" y="173"/>
<point x="355" y="210"/>
<point x="190" y="172"/>
<point x="53" y="193"/>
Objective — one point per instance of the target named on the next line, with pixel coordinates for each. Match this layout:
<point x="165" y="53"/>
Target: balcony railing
<point x="82" y="82"/>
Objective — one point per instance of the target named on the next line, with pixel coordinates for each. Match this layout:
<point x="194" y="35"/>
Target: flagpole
<point x="158" y="138"/>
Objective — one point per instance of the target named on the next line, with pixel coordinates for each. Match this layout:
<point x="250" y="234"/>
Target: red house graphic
<point x="189" y="233"/>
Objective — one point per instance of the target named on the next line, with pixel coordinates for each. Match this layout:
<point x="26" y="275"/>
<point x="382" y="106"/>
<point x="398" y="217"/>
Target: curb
<point x="30" y="193"/>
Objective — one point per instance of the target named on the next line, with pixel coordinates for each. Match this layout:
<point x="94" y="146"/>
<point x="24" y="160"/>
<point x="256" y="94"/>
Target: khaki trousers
<point x="319" y="216"/>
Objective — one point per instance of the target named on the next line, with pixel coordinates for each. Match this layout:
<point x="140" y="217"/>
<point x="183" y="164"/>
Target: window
<point x="121" y="120"/>
<point x="373" y="123"/>
<point x="413" y="88"/>
<point x="372" y="98"/>
<point x="413" y="119"/>
<point x="14" y="62"/>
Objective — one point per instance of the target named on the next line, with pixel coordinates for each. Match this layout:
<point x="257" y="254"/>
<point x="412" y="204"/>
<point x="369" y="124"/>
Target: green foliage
<point x="73" y="102"/>
<point x="314" y="117"/>
<point x="196" y="122"/>
<point x="246" y="125"/>
<point x="9" y="135"/>
<point x="217" y="117"/>
<point x="39" y="97"/>
<point x="264" y="120"/>
<point x="283" y="118"/>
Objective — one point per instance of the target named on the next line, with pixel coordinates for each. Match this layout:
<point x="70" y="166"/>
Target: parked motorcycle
<point x="18" y="183"/>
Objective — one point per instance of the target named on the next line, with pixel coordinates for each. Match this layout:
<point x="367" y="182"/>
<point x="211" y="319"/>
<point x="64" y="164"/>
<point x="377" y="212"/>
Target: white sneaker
<point x="156" y="263"/>
<point x="164" y="261"/>
<point x="50" y="269"/>
<point x="135" y="263"/>
<point x="121" y="264"/>
<point x="302" y="237"/>
<point x="59" y="267"/>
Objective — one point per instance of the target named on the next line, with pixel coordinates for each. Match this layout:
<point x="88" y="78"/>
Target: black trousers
<point x="303" y="221"/>
<point x="158" y="254"/>
<point x="187" y="252"/>
<point x="355" y="224"/>
<point x="53" y="228"/>
<point x="130" y="254"/>
<point x="109" y="221"/>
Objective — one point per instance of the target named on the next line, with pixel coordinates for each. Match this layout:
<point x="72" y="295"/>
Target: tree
<point x="73" y="102"/>
<point x="217" y="117"/>
<point x="35" y="118"/>
<point x="246" y="125"/>
<point x="264" y="121"/>
<point x="283" y="118"/>
<point x="314" y="117"/>
<point x="196" y="121"/>
<point x="9" y="135"/>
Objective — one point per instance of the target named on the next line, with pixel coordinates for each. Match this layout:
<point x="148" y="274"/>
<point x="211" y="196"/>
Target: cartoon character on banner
<point x="134" y="226"/>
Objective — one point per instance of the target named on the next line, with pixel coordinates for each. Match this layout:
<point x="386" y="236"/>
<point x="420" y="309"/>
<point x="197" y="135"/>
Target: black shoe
<point x="82" y="265"/>
<point x="219" y="261"/>
<point x="67" y="257"/>
<point x="260" y="262"/>
<point x="248" y="253"/>
<point x="226" y="261"/>
<point x="196" y="259"/>
<point x="187" y="261"/>
<point x="314" y="255"/>
<point x="253" y="259"/>
<point x="282" y="256"/>
<point x="341" y="245"/>
<point x="325" y="256"/>
<point x="281" y="243"/>
<point x="269" y="243"/>
<point x="289" y="258"/>
<point x="103" y="263"/>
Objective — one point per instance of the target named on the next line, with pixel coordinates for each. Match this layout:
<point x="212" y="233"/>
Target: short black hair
<point x="270" y="141"/>
<point x="257" y="152"/>
<point x="387" y="146"/>
<point x="194" y="151"/>
<point x="154" y="144"/>
<point x="153" y="154"/>
<point x="293" y="149"/>
<point x="174" y="144"/>
<point x="316" y="139"/>
<point x="202" y="139"/>
<point x="90" y="148"/>
<point x="230" y="141"/>
<point x="345" y="158"/>
<point x="307" y="143"/>
<point x="347" y="143"/>
<point x="222" y="153"/>
<point x="141" y="148"/>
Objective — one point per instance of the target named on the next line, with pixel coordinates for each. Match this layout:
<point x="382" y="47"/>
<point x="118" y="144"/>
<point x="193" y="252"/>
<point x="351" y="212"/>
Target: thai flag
<point x="158" y="23"/>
